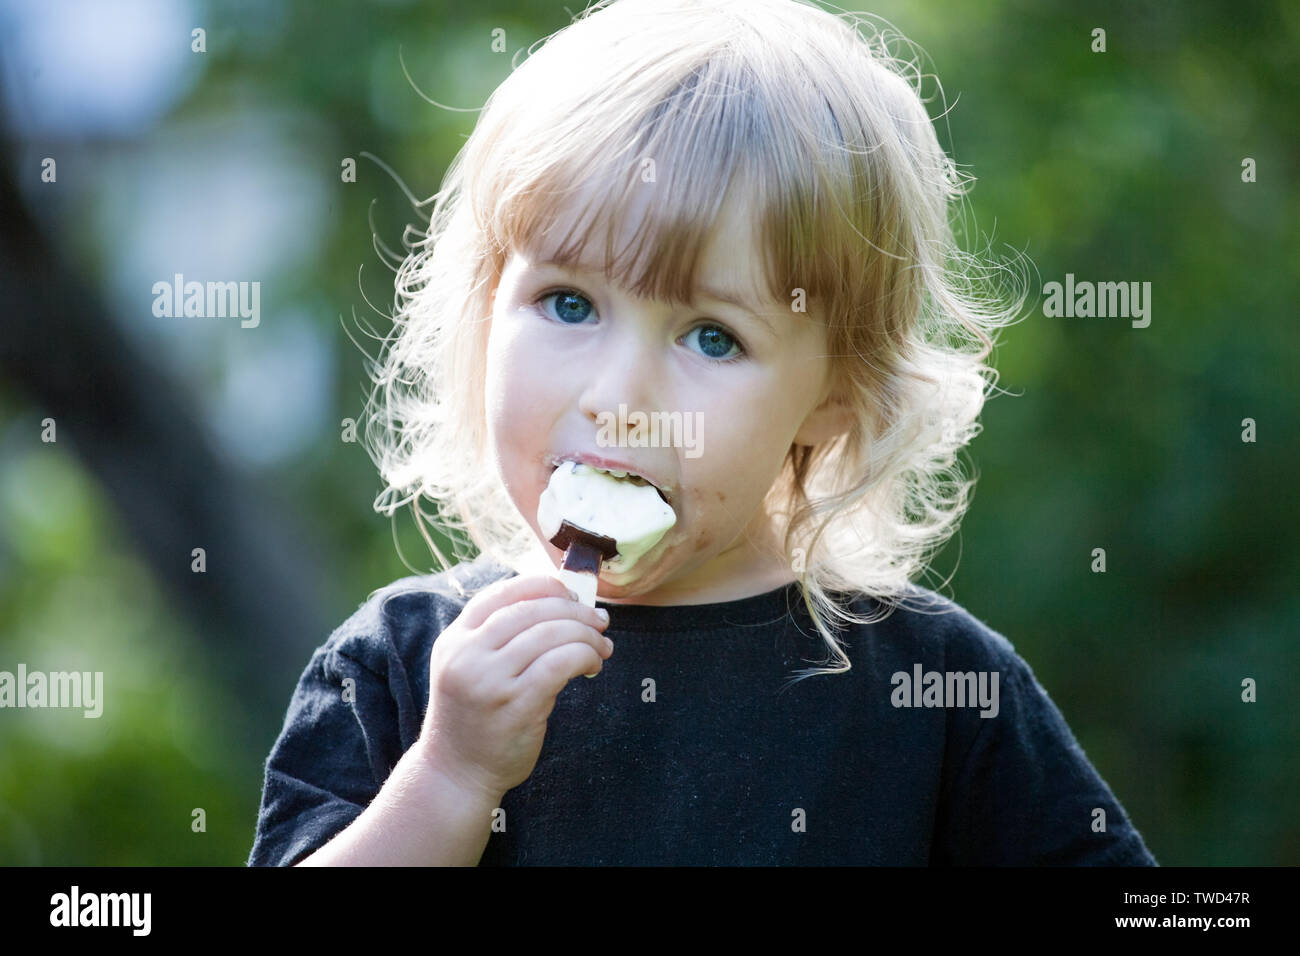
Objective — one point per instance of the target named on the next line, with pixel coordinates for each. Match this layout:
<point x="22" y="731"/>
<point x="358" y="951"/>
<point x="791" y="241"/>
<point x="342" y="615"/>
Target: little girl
<point x="738" y="212"/>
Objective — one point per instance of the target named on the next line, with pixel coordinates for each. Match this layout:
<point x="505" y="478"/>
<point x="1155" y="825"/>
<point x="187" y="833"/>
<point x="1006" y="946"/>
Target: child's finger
<point x="510" y="591"/>
<point x="506" y="623"/>
<point x="530" y="644"/>
<point x="547" y="675"/>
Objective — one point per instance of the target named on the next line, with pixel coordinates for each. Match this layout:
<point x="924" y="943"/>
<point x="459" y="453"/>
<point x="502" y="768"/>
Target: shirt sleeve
<point x="1025" y="794"/>
<point x="324" y="768"/>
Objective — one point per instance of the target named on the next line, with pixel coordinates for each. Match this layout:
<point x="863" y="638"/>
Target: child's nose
<point x="625" y="371"/>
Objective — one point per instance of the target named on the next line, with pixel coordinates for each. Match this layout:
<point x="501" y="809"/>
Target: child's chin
<point x="621" y="574"/>
<point x="621" y="571"/>
<point x="628" y="578"/>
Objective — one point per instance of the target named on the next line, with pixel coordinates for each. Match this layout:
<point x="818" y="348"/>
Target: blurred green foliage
<point x="1123" y="165"/>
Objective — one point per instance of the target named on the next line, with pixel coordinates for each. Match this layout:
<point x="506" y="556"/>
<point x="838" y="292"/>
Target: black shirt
<point x="686" y="749"/>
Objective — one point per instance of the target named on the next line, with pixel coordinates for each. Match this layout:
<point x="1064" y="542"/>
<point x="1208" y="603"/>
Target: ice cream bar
<point x="583" y="552"/>
<point x="600" y="510"/>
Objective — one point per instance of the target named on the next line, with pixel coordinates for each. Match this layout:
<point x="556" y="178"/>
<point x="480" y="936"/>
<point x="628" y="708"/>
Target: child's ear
<point x="831" y="418"/>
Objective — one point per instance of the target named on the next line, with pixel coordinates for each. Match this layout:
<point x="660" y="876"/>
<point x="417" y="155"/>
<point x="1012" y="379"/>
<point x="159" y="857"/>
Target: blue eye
<point x="569" y="306"/>
<point x="574" y="308"/>
<point x="716" y="342"/>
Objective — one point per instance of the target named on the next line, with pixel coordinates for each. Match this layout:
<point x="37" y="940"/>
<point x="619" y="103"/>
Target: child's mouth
<point x="601" y="515"/>
<point x="621" y="474"/>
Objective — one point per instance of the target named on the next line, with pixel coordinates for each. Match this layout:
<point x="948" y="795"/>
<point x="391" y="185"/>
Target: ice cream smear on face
<point x="632" y="514"/>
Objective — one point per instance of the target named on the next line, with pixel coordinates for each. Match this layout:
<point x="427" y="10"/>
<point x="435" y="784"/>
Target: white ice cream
<point x="633" y="515"/>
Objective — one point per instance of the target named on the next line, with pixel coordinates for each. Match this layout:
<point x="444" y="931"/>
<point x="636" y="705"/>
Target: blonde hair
<point x="826" y="130"/>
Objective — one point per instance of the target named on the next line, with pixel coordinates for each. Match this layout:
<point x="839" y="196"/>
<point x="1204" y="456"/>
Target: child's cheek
<point x="512" y="366"/>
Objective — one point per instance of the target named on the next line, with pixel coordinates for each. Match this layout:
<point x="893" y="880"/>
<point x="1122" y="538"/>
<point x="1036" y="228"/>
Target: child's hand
<point x="494" y="675"/>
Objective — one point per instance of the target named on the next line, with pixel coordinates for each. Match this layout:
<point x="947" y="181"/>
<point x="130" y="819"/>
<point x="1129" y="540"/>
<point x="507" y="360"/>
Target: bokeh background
<point x="176" y="433"/>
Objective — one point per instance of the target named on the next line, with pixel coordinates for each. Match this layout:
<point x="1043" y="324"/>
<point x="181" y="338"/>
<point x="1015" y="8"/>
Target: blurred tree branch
<point x="258" y="603"/>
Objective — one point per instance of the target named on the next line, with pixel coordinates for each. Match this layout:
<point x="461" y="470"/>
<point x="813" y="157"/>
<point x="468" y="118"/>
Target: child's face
<point x="556" y="362"/>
